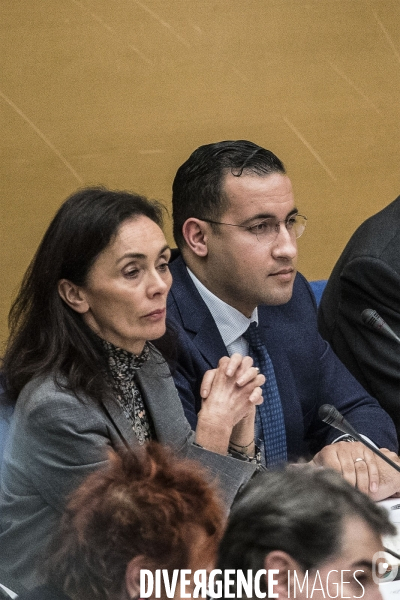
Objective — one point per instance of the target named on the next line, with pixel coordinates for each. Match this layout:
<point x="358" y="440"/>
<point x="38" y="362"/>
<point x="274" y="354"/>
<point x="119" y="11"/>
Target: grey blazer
<point x="57" y="439"/>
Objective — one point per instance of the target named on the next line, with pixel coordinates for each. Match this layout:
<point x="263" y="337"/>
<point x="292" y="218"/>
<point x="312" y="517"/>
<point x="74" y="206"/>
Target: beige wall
<point x="119" y="92"/>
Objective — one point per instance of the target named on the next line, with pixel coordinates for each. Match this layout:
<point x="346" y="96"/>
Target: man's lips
<point x="284" y="275"/>
<point x="283" y="272"/>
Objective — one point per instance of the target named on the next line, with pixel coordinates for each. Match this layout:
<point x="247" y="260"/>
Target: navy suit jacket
<point x="308" y="373"/>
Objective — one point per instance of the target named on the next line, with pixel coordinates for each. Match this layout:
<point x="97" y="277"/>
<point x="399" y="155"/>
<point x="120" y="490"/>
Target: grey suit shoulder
<point x="57" y="439"/>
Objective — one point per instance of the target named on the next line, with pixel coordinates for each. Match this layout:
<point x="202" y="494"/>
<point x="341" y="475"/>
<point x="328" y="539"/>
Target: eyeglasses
<point x="267" y="229"/>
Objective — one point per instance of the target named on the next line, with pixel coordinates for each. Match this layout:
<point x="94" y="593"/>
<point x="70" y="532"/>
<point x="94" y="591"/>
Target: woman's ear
<point x="132" y="576"/>
<point x="73" y="295"/>
<point x="195" y="235"/>
<point x="282" y="580"/>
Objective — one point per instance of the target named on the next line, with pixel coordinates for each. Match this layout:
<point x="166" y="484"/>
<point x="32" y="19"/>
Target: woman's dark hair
<point x="46" y="335"/>
<point x="146" y="503"/>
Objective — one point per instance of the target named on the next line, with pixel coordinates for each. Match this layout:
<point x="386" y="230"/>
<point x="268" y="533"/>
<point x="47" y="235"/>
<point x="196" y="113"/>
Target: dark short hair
<point x="197" y="187"/>
<point x="299" y="511"/>
<point x="145" y="503"/>
<point x="46" y="335"/>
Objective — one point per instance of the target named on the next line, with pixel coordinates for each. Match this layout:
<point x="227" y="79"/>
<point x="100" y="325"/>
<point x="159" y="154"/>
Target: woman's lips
<point x="155" y="315"/>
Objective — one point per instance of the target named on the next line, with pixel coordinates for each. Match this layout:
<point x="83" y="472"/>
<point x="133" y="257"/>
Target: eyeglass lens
<point x="268" y="230"/>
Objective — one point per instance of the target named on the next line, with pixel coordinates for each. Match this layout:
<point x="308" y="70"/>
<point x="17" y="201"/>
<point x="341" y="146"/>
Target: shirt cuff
<point x="349" y="438"/>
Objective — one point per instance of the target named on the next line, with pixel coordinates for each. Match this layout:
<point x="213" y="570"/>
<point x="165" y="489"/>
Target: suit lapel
<point x="122" y="424"/>
<point x="195" y="316"/>
<point x="162" y="401"/>
<point x="209" y="342"/>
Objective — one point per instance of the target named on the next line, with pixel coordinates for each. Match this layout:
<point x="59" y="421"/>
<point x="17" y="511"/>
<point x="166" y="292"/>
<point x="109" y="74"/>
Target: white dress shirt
<point x="230" y="322"/>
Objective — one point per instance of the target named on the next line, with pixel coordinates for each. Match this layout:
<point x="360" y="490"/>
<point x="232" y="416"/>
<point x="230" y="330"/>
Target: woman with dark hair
<point x="147" y="510"/>
<point x="85" y="378"/>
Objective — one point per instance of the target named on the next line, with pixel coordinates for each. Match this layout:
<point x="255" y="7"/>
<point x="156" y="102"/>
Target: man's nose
<point x="285" y="243"/>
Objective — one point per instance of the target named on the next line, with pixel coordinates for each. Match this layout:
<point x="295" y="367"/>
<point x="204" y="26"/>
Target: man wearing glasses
<point x="236" y="290"/>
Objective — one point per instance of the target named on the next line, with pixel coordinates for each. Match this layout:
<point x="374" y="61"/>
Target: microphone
<point x="329" y="414"/>
<point x="373" y="320"/>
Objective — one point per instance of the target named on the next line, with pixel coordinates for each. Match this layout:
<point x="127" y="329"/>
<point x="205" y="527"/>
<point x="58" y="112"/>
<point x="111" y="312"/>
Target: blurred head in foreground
<point x="147" y="510"/>
<point x="317" y="531"/>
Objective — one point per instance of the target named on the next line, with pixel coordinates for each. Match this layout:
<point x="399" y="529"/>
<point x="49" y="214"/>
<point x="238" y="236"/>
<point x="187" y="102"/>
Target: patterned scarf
<point x="123" y="366"/>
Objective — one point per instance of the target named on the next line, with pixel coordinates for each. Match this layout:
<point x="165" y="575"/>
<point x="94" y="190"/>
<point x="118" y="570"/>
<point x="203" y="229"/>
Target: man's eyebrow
<point x="140" y="255"/>
<point x="262" y="216"/>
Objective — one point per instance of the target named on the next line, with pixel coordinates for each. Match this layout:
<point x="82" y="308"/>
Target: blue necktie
<point x="269" y="421"/>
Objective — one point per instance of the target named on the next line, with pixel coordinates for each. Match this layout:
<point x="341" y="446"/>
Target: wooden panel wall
<point x="119" y="92"/>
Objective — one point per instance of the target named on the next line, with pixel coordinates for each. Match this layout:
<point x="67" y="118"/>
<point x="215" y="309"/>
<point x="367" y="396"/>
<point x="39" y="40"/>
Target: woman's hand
<point x="230" y="394"/>
<point x="242" y="437"/>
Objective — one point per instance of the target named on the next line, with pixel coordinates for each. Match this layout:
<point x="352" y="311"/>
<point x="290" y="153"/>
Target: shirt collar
<point x="231" y="323"/>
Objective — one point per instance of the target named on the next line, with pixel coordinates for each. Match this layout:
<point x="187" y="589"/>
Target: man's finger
<point x="234" y="363"/>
